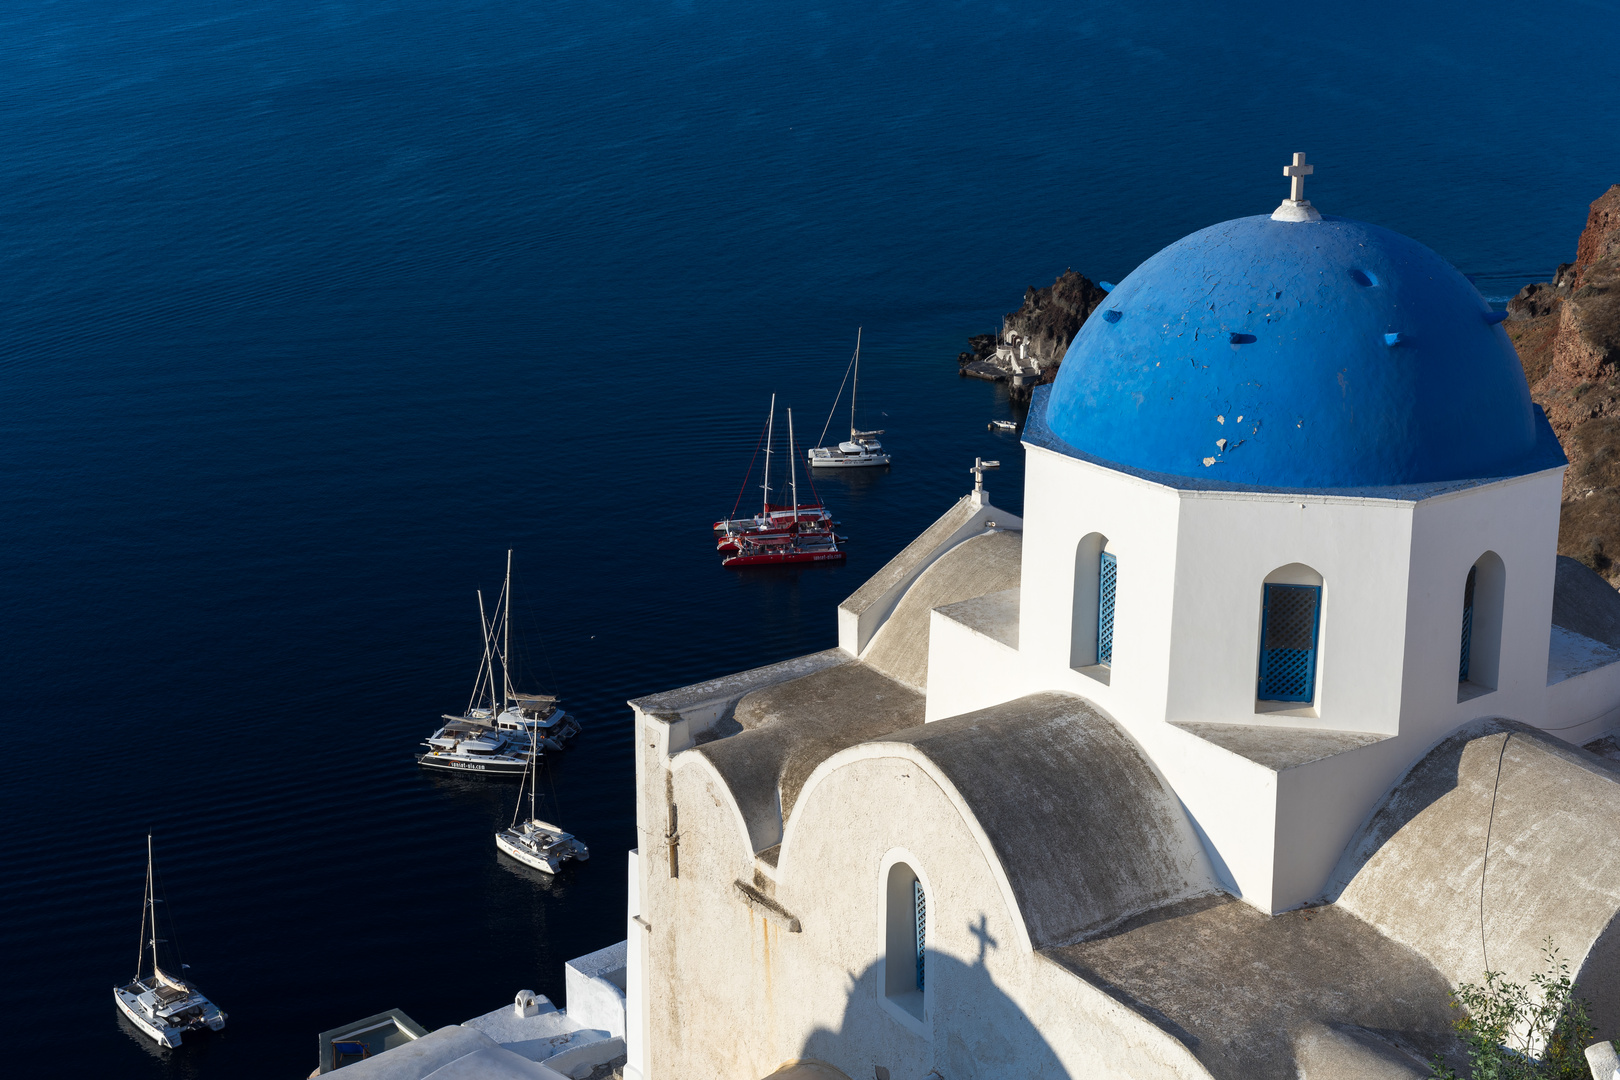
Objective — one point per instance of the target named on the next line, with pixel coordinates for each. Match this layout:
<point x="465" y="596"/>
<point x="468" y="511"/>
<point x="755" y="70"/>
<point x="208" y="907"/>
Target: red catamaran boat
<point x="775" y="520"/>
<point x="779" y="534"/>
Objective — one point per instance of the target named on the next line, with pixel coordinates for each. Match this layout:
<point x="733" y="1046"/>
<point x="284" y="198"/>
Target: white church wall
<point x="1229" y="544"/>
<point x="1065" y="501"/>
<point x="1517" y="521"/>
<point x="1231" y="800"/>
<point x="992" y="1006"/>
<point x="732" y="994"/>
<point x="1320" y="807"/>
<point x="1584" y="707"/>
<point x="637" y="989"/>
<point x="968" y="669"/>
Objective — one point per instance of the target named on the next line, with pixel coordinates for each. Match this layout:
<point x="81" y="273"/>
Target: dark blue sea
<point x="312" y="310"/>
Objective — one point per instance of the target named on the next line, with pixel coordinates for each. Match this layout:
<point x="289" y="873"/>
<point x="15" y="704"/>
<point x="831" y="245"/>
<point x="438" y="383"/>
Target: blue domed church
<point x="1266" y="725"/>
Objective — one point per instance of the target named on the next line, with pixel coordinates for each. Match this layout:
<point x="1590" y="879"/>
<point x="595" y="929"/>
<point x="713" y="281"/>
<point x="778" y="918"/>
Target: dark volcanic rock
<point x="1568" y="335"/>
<point x="1050" y="317"/>
<point x="1034" y="338"/>
<point x="1543" y="297"/>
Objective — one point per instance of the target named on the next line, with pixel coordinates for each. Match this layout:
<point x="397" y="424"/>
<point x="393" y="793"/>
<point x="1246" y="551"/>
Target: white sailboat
<point x="537" y="843"/>
<point x="500" y="728"/>
<point x="163" y="1007"/>
<point x="862" y="447"/>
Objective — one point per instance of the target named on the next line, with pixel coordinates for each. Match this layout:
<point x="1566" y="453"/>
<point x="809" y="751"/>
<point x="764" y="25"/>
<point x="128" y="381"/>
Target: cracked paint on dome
<point x="1353" y="356"/>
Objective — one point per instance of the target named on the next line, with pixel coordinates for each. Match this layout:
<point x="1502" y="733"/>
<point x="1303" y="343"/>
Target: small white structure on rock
<point x="1256" y="734"/>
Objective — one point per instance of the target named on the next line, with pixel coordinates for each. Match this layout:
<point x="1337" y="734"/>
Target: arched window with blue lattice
<point x="1479" y="651"/>
<point x="1096" y="589"/>
<point x="1290" y="626"/>
<point x="905" y="944"/>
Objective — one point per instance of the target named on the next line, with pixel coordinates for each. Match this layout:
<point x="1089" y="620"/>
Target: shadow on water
<point x="976" y="1031"/>
<point x="190" y="1059"/>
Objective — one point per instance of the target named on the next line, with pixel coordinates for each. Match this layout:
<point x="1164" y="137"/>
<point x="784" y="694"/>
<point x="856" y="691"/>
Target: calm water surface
<point x="313" y="310"/>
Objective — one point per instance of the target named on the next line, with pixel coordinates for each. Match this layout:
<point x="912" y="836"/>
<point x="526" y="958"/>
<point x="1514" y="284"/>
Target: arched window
<point x="1468" y="624"/>
<point x="1096" y="585"/>
<point x="905" y="952"/>
<point x="1107" y="583"/>
<point x="1480" y="648"/>
<point x="1290" y="626"/>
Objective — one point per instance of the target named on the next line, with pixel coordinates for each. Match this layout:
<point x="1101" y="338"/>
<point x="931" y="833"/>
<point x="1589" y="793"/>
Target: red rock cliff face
<point x="1568" y="336"/>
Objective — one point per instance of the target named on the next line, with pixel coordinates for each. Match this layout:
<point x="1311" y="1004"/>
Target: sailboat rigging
<point x="163" y="1007"/>
<point x="538" y="843"/>
<point x="501" y="728"/>
<point x="862" y="447"/>
<point x="775" y="523"/>
<point x="796" y="544"/>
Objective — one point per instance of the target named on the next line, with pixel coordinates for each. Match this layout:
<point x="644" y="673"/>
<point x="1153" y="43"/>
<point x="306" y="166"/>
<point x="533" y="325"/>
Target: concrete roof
<point x="895" y="571"/>
<point x="988" y="563"/>
<point x="1086" y="831"/>
<point x="789" y="728"/>
<point x="1551" y="813"/>
<point x="1585" y="603"/>
<point x="451" y="1053"/>
<point x="1279" y="748"/>
<point x="1315" y="992"/>
<point x="995" y="616"/>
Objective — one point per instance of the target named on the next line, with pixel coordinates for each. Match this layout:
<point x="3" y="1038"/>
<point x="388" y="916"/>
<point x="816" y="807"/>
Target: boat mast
<point x="151" y="902"/>
<point x="488" y="665"/>
<point x="770" y="433"/>
<point x="856" y="385"/>
<point x="506" y="649"/>
<point x="793" y="467"/>
<point x="140" y="946"/>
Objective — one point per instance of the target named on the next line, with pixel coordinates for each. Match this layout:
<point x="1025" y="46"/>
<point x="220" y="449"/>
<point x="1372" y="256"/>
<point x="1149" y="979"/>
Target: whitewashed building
<point x="1258" y="732"/>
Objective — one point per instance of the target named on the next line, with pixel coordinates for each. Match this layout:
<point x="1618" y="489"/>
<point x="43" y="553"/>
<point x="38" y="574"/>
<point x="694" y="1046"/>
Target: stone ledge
<point x="768" y="908"/>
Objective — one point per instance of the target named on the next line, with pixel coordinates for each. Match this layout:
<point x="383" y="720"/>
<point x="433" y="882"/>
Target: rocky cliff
<point x="1036" y="336"/>
<point x="1567" y="332"/>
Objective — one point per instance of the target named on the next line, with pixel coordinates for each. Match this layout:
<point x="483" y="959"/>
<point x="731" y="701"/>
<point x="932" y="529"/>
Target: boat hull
<point x="771" y="558"/>
<point x="544" y="863"/>
<point x="165" y="1037"/>
<point x="208" y="1016"/>
<point x="866" y="461"/>
<point x="448" y="763"/>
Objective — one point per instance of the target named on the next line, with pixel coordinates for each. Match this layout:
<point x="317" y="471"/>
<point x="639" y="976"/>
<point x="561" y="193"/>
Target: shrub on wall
<point x="1515" y="1031"/>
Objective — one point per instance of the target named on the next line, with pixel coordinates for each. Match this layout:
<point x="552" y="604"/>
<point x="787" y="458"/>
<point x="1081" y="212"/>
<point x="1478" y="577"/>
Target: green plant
<point x="1514" y="1031"/>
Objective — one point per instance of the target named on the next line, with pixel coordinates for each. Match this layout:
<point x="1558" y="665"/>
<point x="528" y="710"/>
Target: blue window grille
<point x="920" y="905"/>
<point x="1467" y="625"/>
<point x="1107" y="581"/>
<point x="1288" y="642"/>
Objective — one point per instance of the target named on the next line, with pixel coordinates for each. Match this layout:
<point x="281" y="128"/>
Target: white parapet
<point x="595" y="984"/>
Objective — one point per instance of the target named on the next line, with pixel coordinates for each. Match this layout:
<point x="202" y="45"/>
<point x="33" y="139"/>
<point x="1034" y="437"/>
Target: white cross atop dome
<point x="1296" y="207"/>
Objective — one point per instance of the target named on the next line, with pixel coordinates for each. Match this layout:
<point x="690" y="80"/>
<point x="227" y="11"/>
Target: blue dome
<point x="1325" y="354"/>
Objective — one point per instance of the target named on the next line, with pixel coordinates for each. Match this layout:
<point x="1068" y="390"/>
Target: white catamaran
<point x="162" y="1006"/>
<point x="862" y="447"/>
<point x="537" y="843"/>
<point x="500" y="729"/>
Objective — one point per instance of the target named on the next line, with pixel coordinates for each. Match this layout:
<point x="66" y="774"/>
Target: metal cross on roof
<point x="1298" y="171"/>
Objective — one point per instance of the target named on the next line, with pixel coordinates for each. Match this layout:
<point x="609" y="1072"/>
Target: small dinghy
<point x="163" y="1007"/>
<point x="1003" y="425"/>
<point x="537" y="843"/>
